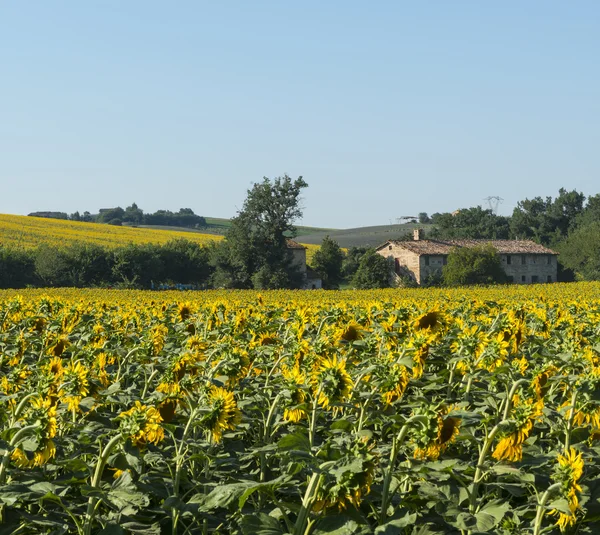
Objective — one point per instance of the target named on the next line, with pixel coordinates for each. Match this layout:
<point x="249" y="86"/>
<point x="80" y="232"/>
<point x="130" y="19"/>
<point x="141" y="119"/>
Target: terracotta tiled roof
<point x="443" y="247"/>
<point x="291" y="244"/>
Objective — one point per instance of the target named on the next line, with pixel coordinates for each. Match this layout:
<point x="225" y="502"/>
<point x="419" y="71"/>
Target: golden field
<point x="28" y="232"/>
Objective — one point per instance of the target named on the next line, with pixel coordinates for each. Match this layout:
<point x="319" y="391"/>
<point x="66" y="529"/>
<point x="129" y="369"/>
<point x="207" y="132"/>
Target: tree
<point x="327" y="261"/>
<point x="424" y="218"/>
<point x="133" y="214"/>
<point x="184" y="262"/>
<point x="580" y="252"/>
<point x="471" y="223"/>
<point x="254" y="252"/>
<point x="110" y="214"/>
<point x="473" y="265"/>
<point x="547" y="221"/>
<point x="17" y="269"/>
<point x="373" y="272"/>
<point x="352" y="261"/>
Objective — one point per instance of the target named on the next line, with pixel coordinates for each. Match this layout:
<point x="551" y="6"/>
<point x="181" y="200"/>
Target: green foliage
<point x="255" y="252"/>
<point x="17" y="268"/>
<point x="547" y="221"/>
<point x="352" y="261"/>
<point x="471" y="223"/>
<point x="373" y="272"/>
<point x="580" y="252"/>
<point x="110" y="214"/>
<point x="328" y="261"/>
<point x="473" y="265"/>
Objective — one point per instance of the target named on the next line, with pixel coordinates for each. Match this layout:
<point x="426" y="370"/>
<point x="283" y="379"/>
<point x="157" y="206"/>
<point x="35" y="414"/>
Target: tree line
<point x="132" y="215"/>
<point x="254" y="253"/>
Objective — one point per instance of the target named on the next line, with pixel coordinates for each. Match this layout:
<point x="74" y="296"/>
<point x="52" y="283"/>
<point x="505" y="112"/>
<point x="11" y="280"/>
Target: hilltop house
<point x="312" y="280"/>
<point x="524" y="261"/>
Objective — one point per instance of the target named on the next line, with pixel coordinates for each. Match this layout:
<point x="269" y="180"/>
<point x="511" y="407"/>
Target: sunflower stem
<point x="178" y="466"/>
<point x="396" y="443"/>
<point x="511" y="394"/>
<point x="307" y="503"/>
<point x="100" y="464"/>
<point x="15" y="441"/>
<point x="479" y="470"/>
<point x="313" y="418"/>
<point x="570" y="421"/>
<point x="537" y="525"/>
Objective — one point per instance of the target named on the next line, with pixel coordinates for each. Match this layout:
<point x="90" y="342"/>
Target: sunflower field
<point x="305" y="413"/>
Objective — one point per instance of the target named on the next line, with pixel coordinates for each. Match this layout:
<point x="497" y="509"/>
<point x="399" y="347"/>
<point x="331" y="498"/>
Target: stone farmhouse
<point x="312" y="280"/>
<point x="524" y="261"/>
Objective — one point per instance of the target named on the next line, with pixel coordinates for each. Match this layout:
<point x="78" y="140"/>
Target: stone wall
<point x="525" y="268"/>
<point x="299" y="258"/>
<point x="404" y="262"/>
<point x="521" y="268"/>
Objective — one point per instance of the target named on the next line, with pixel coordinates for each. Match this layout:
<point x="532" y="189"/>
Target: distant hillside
<point x="218" y="225"/>
<point x="363" y="236"/>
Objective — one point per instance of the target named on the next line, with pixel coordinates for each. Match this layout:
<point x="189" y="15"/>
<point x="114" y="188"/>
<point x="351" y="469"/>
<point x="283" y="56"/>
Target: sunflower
<point x="431" y="321"/>
<point x="447" y="428"/>
<point x="157" y="338"/>
<point x="351" y="480"/>
<point x="295" y="380"/>
<point x="568" y="472"/>
<point x="43" y="412"/>
<point x="184" y="311"/>
<point x="540" y="382"/>
<point x="142" y="424"/>
<point x="59" y="346"/>
<point x="172" y="393"/>
<point x="331" y="382"/>
<point x="75" y="385"/>
<point x="45" y="452"/>
<point x="224" y="414"/>
<point x="350" y="333"/>
<point x="394" y="382"/>
<point x="510" y="445"/>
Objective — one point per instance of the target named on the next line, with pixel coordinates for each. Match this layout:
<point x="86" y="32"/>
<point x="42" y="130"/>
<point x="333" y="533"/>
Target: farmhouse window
<point x="523" y="259"/>
<point x="508" y="259"/>
<point x="534" y="278"/>
<point x="390" y="247"/>
<point x="426" y="260"/>
<point x="549" y="278"/>
<point x="444" y="260"/>
<point x="549" y="261"/>
<point x="523" y="278"/>
<point x="511" y="278"/>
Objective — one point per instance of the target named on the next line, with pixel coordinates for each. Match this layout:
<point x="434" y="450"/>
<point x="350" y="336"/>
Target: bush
<point x="473" y="265"/>
<point x="17" y="268"/>
<point x="373" y="272"/>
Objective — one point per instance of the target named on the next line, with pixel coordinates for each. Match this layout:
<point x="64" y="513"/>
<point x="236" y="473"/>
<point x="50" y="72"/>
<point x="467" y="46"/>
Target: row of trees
<point x="176" y="262"/>
<point x="133" y="215"/>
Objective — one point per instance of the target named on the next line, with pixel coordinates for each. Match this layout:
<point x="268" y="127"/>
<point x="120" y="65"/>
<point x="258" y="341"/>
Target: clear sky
<point x="387" y="108"/>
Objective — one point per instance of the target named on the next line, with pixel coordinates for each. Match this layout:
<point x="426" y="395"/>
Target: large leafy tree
<point x="471" y="223"/>
<point x="373" y="272"/>
<point x="547" y="220"/>
<point x="327" y="261"/>
<point x="255" y="252"/>
<point x="580" y="252"/>
<point x="473" y="265"/>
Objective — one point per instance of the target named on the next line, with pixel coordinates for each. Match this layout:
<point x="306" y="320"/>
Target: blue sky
<point x="386" y="108"/>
